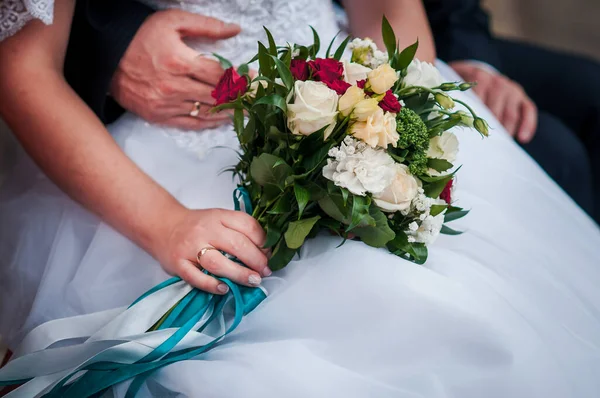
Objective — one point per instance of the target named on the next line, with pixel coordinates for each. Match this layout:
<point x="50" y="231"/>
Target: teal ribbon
<point x="185" y="315"/>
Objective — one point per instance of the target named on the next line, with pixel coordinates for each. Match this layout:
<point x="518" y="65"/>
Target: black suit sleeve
<point x="461" y="31"/>
<point x="100" y="35"/>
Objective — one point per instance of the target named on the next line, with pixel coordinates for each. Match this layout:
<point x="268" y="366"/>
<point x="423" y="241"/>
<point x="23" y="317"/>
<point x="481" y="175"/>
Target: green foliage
<point x="414" y="138"/>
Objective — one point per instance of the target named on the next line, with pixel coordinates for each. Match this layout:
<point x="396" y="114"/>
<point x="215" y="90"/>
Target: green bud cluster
<point x="414" y="136"/>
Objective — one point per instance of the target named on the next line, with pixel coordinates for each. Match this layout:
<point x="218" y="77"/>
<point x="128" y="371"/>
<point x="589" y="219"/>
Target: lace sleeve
<point x="14" y="14"/>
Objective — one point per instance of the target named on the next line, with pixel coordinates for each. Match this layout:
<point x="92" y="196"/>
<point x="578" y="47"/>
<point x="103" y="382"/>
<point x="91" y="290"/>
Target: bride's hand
<point x="160" y="78"/>
<point x="232" y="232"/>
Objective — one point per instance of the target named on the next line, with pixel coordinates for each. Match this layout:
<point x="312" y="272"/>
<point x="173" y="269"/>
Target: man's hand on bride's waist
<point x="163" y="80"/>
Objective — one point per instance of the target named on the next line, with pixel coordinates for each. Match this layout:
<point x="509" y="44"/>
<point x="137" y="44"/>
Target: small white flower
<point x="359" y="168"/>
<point x="428" y="231"/>
<point x="413" y="226"/>
<point x="379" y="58"/>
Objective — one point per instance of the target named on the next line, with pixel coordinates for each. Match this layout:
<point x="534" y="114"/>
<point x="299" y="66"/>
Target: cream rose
<point x="379" y="130"/>
<point x="400" y="193"/>
<point x="443" y="146"/>
<point x="382" y="78"/>
<point x="314" y="107"/>
<point x="422" y="74"/>
<point x="364" y="109"/>
<point x="349" y="100"/>
<point x="354" y="72"/>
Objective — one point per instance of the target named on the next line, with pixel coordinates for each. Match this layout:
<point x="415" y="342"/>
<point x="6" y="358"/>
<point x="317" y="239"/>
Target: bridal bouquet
<point x="359" y="147"/>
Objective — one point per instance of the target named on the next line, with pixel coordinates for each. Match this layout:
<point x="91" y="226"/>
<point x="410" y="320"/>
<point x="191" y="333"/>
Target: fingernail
<point x="231" y="25"/>
<point x="223" y="288"/>
<point x="254" y="280"/>
<point x="267" y="271"/>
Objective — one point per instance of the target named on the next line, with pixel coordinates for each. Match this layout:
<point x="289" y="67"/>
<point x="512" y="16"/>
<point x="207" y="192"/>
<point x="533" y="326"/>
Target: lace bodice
<point x="14" y="14"/>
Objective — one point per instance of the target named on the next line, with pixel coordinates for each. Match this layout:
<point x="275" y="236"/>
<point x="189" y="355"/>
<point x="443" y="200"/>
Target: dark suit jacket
<point x="101" y="32"/>
<point x="461" y="31"/>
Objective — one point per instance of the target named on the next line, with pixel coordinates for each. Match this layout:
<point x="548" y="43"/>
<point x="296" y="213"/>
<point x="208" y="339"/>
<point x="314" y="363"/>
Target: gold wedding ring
<point x="196" y="111"/>
<point x="202" y="252"/>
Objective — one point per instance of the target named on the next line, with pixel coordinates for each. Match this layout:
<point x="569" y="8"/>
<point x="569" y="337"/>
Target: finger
<point x="205" y="70"/>
<point x="195" y="25"/>
<point x="216" y="263"/>
<point x="241" y="247"/>
<point x="185" y="108"/>
<point x="192" y="123"/>
<point x="190" y="273"/>
<point x="496" y="100"/>
<point x="511" y="115"/>
<point x="528" y="125"/>
<point x="245" y="224"/>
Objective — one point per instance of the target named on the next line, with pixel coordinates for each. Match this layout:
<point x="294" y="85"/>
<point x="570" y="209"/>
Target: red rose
<point x="361" y="83"/>
<point x="299" y="69"/>
<point x="446" y="194"/>
<point x="390" y="103"/>
<point x="326" y="69"/>
<point x="229" y="87"/>
<point x="339" y="86"/>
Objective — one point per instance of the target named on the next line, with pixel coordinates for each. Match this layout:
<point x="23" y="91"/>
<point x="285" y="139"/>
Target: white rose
<point x="379" y="130"/>
<point x="422" y="74"/>
<point x="348" y="101"/>
<point x="314" y="107"/>
<point x="359" y="168"/>
<point x="354" y="72"/>
<point x="443" y="146"/>
<point x="400" y="193"/>
<point x="382" y="78"/>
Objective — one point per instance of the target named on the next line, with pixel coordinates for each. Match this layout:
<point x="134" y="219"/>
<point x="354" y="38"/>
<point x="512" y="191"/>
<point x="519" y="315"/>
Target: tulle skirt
<point x="511" y="308"/>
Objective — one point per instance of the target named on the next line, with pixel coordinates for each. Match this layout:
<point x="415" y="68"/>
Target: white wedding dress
<point x="511" y="308"/>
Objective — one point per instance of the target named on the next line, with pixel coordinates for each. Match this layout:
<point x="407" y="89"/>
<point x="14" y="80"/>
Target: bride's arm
<point x="74" y="149"/>
<point x="407" y="17"/>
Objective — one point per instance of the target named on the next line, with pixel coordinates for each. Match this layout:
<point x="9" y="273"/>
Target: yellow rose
<point x="382" y="78"/>
<point x="349" y="100"/>
<point x="365" y="108"/>
<point x="379" y="130"/>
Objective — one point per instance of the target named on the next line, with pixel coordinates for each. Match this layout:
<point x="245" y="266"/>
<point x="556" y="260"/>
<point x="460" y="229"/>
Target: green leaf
<point x="238" y="121"/>
<point x="434" y="189"/>
<point x="406" y="56"/>
<point x="282" y="255"/>
<point x="248" y="133"/>
<point x="360" y="213"/>
<point x="377" y="235"/>
<point x="449" y="231"/>
<point x="273" y="99"/>
<point x="333" y="205"/>
<point x="389" y="37"/>
<point x="225" y="63"/>
<point x="282" y="206"/>
<point x="316" y="42"/>
<point x="439" y="165"/>
<point x="331" y="44"/>
<point x="340" y="50"/>
<point x="264" y="60"/>
<point x="455" y="215"/>
<point x="397" y="158"/>
<point x="297" y="231"/>
<point x="302" y="197"/>
<point x="437" y="209"/>
<point x="284" y="73"/>
<point x="264" y="172"/>
<point x="272" y="45"/>
<point x="243" y="69"/>
<point x="273" y="236"/>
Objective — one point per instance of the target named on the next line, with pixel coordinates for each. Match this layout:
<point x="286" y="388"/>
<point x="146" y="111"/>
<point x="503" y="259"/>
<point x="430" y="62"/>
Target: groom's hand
<point x="160" y="77"/>
<point x="505" y="98"/>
